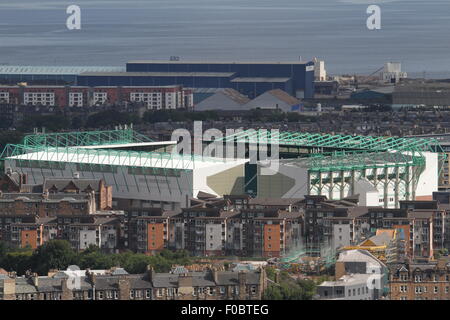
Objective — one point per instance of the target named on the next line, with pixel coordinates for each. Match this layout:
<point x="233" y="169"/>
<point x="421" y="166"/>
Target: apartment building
<point x="77" y="210"/>
<point x="270" y="232"/>
<point x="334" y="223"/>
<point x="46" y="205"/>
<point x="205" y="230"/>
<point x="152" y="230"/>
<point x="105" y="231"/>
<point x="240" y="225"/>
<point x="421" y="281"/>
<point x="44" y="199"/>
<point x="153" y="98"/>
<point x="206" y="285"/>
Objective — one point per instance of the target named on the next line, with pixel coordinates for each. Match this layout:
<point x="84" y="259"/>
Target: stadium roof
<point x="56" y="70"/>
<point x="351" y="161"/>
<point x="85" y="138"/>
<point x="107" y="157"/>
<point x="342" y="142"/>
<point x="98" y="148"/>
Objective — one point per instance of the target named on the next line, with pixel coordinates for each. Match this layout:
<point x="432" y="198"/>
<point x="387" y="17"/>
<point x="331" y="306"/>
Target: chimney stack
<point x="150" y="273"/>
<point x="35" y="279"/>
<point x="215" y="275"/>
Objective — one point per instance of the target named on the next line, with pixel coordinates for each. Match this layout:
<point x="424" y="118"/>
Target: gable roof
<point x="273" y="99"/>
<point x="284" y="96"/>
<point x="81" y="184"/>
<point x="225" y="99"/>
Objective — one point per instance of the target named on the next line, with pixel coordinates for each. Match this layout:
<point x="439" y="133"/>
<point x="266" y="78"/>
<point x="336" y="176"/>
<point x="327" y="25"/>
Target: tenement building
<point x="424" y="281"/>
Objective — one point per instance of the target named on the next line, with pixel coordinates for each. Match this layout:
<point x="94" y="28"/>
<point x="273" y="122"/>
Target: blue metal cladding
<point x="301" y="79"/>
<point x="42" y="78"/>
<point x="254" y="89"/>
<point x="186" y="81"/>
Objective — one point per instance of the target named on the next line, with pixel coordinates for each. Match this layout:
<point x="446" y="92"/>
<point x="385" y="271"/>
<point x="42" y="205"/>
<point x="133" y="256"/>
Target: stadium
<point x="382" y="171"/>
<point x="158" y="177"/>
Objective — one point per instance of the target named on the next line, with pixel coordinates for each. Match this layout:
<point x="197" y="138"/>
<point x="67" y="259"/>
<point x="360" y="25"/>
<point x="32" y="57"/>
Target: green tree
<point x="55" y="254"/>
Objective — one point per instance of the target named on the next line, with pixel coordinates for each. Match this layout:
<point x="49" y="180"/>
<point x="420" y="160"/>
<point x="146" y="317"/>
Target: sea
<point x="413" y="32"/>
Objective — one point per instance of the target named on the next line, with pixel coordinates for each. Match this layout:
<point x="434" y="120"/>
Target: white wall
<point x="87" y="237"/>
<point x="428" y="181"/>
<point x="341" y="235"/>
<point x="213" y="234"/>
<point x="200" y="174"/>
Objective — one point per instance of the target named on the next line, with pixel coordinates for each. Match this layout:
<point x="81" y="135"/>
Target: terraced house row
<point x="117" y="284"/>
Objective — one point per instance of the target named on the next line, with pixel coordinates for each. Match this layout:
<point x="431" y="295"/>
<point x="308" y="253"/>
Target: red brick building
<point x="154" y="98"/>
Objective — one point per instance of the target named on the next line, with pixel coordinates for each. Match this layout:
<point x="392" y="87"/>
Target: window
<point x="132" y="294"/>
<point x="436" y="289"/>
<point x="148" y="294"/>
<point x="253" y="289"/>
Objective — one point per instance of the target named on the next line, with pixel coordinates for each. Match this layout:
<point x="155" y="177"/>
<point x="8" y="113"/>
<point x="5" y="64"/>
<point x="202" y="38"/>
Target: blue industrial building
<point x="249" y="78"/>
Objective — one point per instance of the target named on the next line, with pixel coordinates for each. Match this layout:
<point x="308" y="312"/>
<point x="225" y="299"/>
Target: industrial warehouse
<point x="249" y="78"/>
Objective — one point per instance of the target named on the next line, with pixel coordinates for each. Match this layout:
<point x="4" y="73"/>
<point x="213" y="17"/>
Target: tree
<point x="110" y="118"/>
<point x="54" y="122"/>
<point x="288" y="288"/>
<point x="55" y="254"/>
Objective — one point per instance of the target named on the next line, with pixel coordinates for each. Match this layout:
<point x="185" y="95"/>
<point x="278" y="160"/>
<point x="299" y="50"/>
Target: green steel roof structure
<point x="68" y="147"/>
<point x="341" y="142"/>
<point x="344" y="152"/>
<point x="356" y="160"/>
<point x="84" y="138"/>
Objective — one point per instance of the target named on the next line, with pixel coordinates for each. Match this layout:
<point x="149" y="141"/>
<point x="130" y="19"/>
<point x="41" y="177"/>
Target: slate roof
<point x="137" y="281"/>
<point x="274" y="201"/>
<point x="81" y="184"/>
